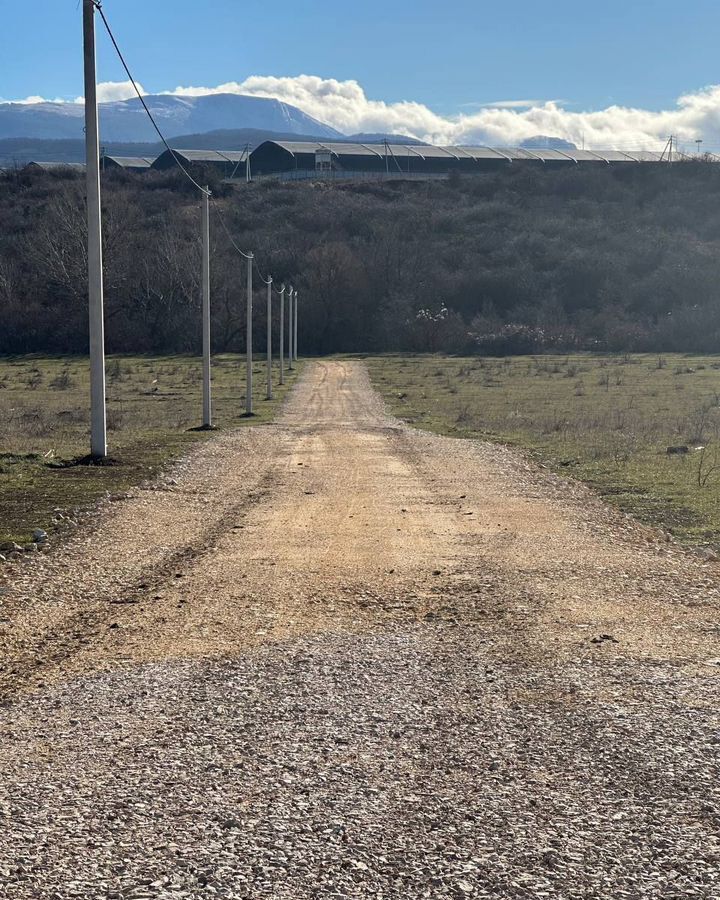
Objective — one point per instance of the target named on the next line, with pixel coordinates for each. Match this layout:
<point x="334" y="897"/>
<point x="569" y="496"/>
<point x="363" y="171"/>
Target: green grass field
<point x="152" y="404"/>
<point x="608" y="421"/>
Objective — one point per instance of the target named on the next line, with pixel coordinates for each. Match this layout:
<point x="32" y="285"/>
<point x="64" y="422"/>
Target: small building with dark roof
<point x="285" y="156"/>
<point x="127" y="163"/>
<point x="47" y="166"/>
<point x="224" y="162"/>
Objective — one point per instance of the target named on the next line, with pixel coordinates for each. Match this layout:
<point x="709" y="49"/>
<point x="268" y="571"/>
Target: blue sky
<point x="449" y="58"/>
<point x="445" y="56"/>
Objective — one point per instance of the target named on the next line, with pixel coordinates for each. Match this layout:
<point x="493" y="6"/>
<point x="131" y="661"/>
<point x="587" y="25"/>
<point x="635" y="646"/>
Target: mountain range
<point x="54" y="131"/>
<point x="545" y="142"/>
<point x="126" y="120"/>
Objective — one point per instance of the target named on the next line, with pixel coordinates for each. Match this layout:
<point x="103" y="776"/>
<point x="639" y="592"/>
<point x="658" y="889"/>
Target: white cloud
<point x="107" y="91"/>
<point x="117" y="90"/>
<point x="506" y="104"/>
<point x="34" y="99"/>
<point x="345" y="105"/>
<point x="342" y="104"/>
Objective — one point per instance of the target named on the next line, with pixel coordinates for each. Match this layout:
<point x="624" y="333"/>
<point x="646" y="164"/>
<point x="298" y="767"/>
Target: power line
<point x="95" y="271"/>
<point x="267" y="280"/>
<point x="227" y="231"/>
<point x="252" y="256"/>
<point x="174" y="155"/>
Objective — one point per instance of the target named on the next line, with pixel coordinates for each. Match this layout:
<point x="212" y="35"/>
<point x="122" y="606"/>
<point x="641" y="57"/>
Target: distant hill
<point x="379" y="138"/>
<point x="615" y="278"/>
<point x="18" y="151"/>
<point x="543" y="142"/>
<point x="126" y="121"/>
<point x="23" y="149"/>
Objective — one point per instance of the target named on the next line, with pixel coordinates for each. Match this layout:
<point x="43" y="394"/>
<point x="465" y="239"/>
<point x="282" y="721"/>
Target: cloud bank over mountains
<point x="345" y="106"/>
<point x="107" y="91"/>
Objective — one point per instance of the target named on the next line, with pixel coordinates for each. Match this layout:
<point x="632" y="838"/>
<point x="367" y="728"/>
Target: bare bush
<point x="62" y="382"/>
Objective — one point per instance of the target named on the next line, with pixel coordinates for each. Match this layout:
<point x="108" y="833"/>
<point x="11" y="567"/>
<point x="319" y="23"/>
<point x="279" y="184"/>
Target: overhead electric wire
<point x="98" y="7"/>
<point x="175" y="156"/>
<point x="227" y="231"/>
<point x="268" y="280"/>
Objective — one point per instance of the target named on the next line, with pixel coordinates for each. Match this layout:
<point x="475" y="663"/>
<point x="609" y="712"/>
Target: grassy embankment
<point x="152" y="404"/>
<point x="608" y="421"/>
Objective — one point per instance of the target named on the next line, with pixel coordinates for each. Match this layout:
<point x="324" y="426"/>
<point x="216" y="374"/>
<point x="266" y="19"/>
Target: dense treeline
<point x="526" y="259"/>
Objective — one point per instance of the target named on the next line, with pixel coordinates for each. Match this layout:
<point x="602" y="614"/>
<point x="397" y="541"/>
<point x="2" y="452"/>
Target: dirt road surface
<point x="339" y="658"/>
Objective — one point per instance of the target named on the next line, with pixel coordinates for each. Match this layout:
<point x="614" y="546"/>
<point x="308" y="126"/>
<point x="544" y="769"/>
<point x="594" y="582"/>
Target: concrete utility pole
<point x="249" y="339"/>
<point x="295" y="327"/>
<point x="248" y="174"/>
<point x="98" y="419"/>
<point x="207" y="393"/>
<point x="282" y="335"/>
<point x="269" y="283"/>
<point x="290" y="329"/>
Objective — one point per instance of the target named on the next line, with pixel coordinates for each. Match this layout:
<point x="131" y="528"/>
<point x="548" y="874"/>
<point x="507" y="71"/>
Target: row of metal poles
<point x="292" y="325"/>
<point x="98" y="414"/>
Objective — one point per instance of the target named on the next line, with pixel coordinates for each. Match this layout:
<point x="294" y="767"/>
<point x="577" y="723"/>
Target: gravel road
<point x="335" y="657"/>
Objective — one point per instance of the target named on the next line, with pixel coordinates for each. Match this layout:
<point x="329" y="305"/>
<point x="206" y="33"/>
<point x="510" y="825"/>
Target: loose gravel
<point x="413" y="763"/>
<point x="348" y="660"/>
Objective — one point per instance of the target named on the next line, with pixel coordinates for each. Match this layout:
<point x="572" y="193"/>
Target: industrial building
<point x="339" y="159"/>
<point x="225" y="162"/>
<point x="127" y="163"/>
<point x="42" y="166"/>
<point x="277" y="157"/>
